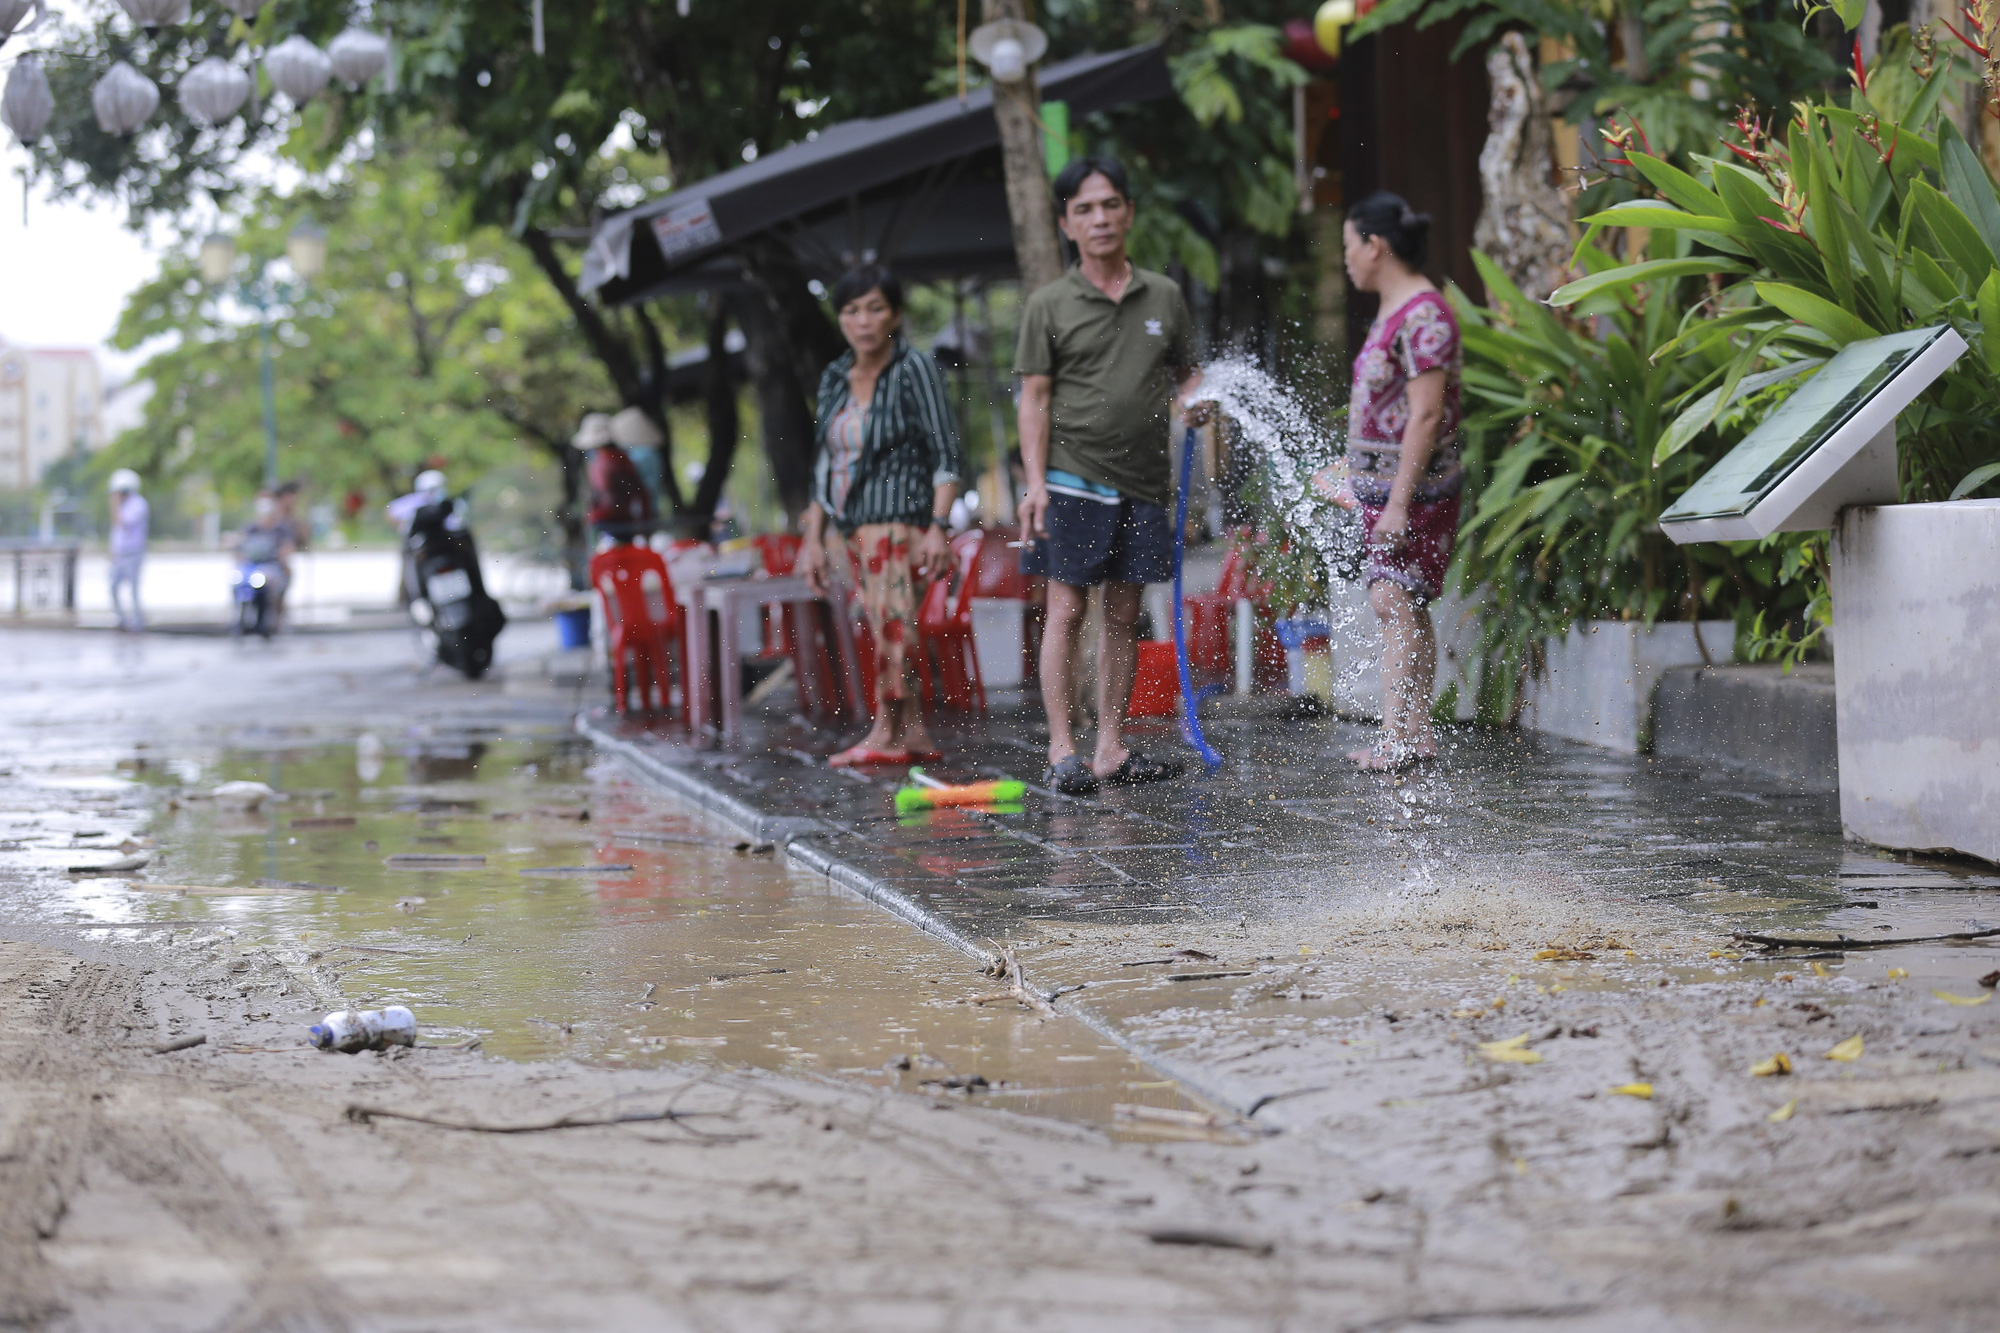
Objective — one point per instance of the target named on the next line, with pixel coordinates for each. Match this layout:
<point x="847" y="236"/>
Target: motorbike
<point x="452" y="607"/>
<point x="258" y="582"/>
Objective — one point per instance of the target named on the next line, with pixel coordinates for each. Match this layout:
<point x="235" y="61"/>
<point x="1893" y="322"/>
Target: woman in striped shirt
<point x="887" y="472"/>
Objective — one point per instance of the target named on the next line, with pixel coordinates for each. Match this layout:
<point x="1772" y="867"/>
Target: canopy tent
<point x="921" y="188"/>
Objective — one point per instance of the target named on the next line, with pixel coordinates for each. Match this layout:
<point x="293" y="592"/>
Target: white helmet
<point x="124" y="479"/>
<point x="593" y="433"/>
<point x="430" y="482"/>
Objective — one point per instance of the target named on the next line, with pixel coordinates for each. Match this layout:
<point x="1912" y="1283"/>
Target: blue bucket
<point x="573" y="628"/>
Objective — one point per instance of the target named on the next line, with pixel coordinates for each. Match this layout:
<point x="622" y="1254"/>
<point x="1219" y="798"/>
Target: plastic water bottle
<point x="341" y="1031"/>
<point x="397" y="1026"/>
<point x="348" y="1031"/>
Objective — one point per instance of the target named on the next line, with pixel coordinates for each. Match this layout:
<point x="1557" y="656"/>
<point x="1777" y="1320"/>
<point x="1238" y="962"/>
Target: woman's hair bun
<point x="1391" y="217"/>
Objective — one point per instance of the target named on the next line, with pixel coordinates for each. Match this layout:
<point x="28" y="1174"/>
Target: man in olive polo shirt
<point x="1102" y="351"/>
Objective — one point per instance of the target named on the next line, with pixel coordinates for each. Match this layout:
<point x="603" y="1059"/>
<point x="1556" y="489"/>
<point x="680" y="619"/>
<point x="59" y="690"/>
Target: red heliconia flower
<point x="1972" y="21"/>
<point x="1860" y="70"/>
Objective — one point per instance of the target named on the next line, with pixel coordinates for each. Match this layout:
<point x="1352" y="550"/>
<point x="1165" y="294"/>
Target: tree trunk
<point x="781" y="407"/>
<point x="576" y="540"/>
<point x="1524" y="226"/>
<point x="723" y="425"/>
<point x="1030" y="206"/>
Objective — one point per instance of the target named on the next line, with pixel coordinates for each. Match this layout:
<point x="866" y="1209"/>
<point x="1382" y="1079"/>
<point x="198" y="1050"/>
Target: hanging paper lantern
<point x="123" y="99"/>
<point x="13" y="11"/>
<point x="243" y="9"/>
<point x="155" y="14"/>
<point x="212" y="91"/>
<point x="358" y="55"/>
<point x="298" y="69"/>
<point x="28" y="103"/>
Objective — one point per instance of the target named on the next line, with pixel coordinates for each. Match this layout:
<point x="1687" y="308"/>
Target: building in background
<point x="51" y="404"/>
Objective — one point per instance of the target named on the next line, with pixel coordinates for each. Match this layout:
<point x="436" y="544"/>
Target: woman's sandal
<point x="1138" y="770"/>
<point x="858" y="756"/>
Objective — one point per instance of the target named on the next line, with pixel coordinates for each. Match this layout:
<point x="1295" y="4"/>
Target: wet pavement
<point x="1494" y="1010"/>
<point x="1510" y="845"/>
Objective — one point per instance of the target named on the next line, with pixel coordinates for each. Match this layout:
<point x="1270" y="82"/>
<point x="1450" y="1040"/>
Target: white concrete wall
<point x="1916" y="594"/>
<point x="1357" y="651"/>
<point x="329" y="586"/>
<point x="1598" y="687"/>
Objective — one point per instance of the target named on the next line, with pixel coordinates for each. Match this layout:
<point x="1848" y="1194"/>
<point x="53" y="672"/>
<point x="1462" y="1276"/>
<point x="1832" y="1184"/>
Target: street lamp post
<point x="305" y="248"/>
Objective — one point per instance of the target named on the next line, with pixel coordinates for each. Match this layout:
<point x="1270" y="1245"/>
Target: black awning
<point x="921" y="188"/>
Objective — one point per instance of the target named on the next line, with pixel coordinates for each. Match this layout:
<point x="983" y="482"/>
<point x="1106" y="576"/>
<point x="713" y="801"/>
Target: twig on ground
<point x="181" y="1044"/>
<point x="1215" y="1239"/>
<point x="362" y="1115"/>
<point x="1843" y="942"/>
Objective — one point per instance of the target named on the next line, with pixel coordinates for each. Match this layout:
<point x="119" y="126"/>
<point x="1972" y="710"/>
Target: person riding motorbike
<point x="263" y="568"/>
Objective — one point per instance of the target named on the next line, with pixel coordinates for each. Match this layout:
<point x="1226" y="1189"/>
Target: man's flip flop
<point x="1138" y="770"/>
<point x="858" y="756"/>
<point x="1070" y="777"/>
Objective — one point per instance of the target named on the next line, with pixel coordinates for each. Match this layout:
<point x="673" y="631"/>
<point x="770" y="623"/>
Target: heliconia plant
<point x="1844" y="223"/>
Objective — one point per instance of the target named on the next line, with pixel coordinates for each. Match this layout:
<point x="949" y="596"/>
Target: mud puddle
<point x="516" y="892"/>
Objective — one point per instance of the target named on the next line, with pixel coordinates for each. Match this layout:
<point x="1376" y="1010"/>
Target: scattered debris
<point x="181" y="1044"/>
<point x="559" y="872"/>
<point x="362" y="1115"/>
<point x="957" y="1083"/>
<point x="1512" y="1051"/>
<point x="1771" y="942"/>
<point x="1206" y="976"/>
<point x="1846" y="1050"/>
<point x="1963" y="1001"/>
<point x="121" y="865"/>
<point x="1177" y="956"/>
<point x="1777" y="1065"/>
<point x="1783" y="1113"/>
<point x="737" y="976"/>
<point x="1220" y="1240"/>
<point x="1565" y="955"/>
<point x="1990" y="980"/>
<point x="241" y="795"/>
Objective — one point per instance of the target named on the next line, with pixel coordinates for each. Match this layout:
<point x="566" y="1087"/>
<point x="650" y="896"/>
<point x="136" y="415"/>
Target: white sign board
<point x="1830" y="445"/>
<point x="685" y="228"/>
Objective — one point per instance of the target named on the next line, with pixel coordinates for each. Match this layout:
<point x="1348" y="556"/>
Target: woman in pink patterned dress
<point x="1403" y="462"/>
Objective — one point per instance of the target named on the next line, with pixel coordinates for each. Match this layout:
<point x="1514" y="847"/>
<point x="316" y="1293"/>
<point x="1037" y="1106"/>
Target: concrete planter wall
<point x="1916" y="593"/>
<point x="1357" y="652"/>
<point x="1598" y="688"/>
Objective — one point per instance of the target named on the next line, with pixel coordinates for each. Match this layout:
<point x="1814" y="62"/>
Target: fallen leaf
<point x="1467" y="1013"/>
<point x="1898" y="973"/>
<point x="1563" y="955"/>
<point x="1990" y="980"/>
<point x="1783" y="1113"/>
<point x="1643" y="1091"/>
<point x="1512" y="1051"/>
<point x="1777" y="1064"/>
<point x="1963" y="1001"/>
<point x="1846" y="1050"/>
<point x="1724" y="954"/>
<point x="1819" y="970"/>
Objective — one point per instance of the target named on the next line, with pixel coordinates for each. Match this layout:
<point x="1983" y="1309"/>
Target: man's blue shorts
<point x="1091" y="541"/>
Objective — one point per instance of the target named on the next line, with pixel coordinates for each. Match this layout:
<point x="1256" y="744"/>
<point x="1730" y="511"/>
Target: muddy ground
<point x="1406" y="1178"/>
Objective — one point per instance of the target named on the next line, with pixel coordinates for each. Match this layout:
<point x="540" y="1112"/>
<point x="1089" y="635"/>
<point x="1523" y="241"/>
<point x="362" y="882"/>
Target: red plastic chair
<point x="644" y="625"/>
<point x="944" y="631"/>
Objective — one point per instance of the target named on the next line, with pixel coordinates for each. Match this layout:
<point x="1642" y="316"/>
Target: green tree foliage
<point x="430" y="334"/>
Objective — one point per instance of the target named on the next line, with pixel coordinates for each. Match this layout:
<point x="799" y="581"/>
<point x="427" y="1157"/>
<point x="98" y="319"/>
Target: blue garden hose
<point x="1190" y="699"/>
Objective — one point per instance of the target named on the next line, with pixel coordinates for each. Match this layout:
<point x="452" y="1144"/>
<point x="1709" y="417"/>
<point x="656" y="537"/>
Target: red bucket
<point x="1157" y="682"/>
